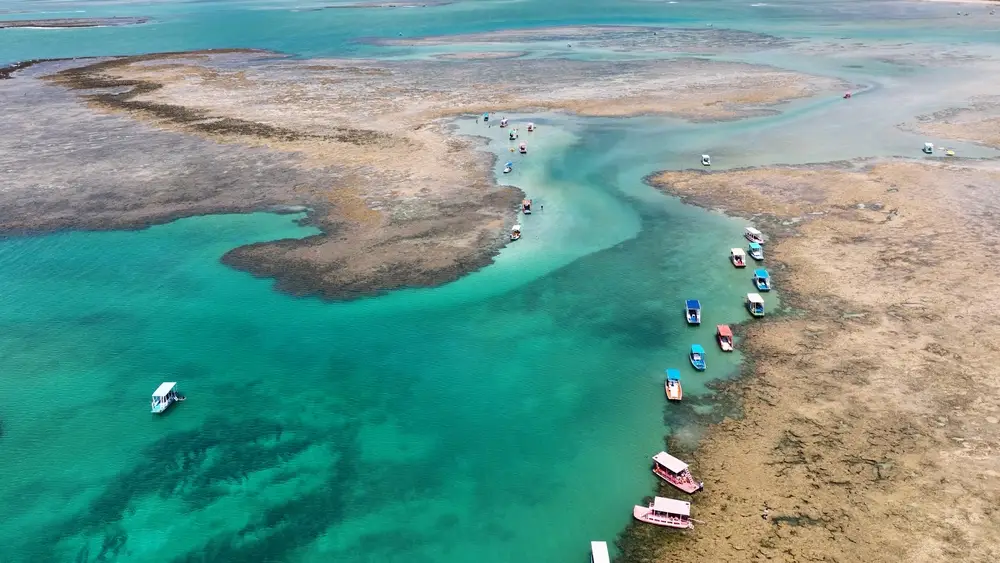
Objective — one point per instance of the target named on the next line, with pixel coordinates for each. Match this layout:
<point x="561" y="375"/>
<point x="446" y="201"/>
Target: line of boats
<point x="673" y="513"/>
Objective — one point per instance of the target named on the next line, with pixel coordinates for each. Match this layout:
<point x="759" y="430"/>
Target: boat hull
<point x="700" y="366"/>
<point x="739" y="263"/>
<point x="644" y="514"/>
<point x="674" y="393"/>
<point x="689" y="486"/>
<point x="725" y="346"/>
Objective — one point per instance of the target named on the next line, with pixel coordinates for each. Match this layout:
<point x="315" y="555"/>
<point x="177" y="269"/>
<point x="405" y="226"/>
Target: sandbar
<point x="57" y="23"/>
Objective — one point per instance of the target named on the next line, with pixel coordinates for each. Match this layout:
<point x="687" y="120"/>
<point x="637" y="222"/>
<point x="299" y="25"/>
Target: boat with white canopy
<point x="675" y="472"/>
<point x="164" y="396"/>
<point x="599" y="552"/>
<point x="666" y="512"/>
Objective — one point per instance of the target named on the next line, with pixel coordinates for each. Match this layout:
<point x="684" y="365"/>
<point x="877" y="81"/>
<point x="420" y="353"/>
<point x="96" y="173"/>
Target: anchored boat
<point x="673" y="385"/>
<point x="928" y="148"/>
<point x="526" y="207"/>
<point x="706" y="160"/>
<point x="515" y="232"/>
<point x="738" y="257"/>
<point x="675" y="472"/>
<point x="665" y="512"/>
<point x="531" y="127"/>
<point x="599" y="552"/>
<point x="753" y="235"/>
<point x="697" y="357"/>
<point x="164" y="396"/>
<point x="486" y="117"/>
<point x="503" y="122"/>
<point x="755" y="304"/>
<point x="724" y="335"/>
<point x="762" y="279"/>
<point x="507" y="168"/>
<point x="523" y="148"/>
<point x="692" y="311"/>
<point x="756" y="251"/>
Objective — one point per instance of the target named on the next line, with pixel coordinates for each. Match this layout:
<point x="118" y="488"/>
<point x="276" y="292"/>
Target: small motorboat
<point x="675" y="472"/>
<point x="928" y="148"/>
<point x="753" y="235"/>
<point x="673" y="385"/>
<point x="949" y="152"/>
<point x="164" y="396"/>
<point x="755" y="304"/>
<point x="665" y="512"/>
<point x="513" y="134"/>
<point x="706" y="160"/>
<point x="515" y="232"/>
<point x="531" y="127"/>
<point x="503" y="122"/>
<point x="762" y="280"/>
<point x="738" y="257"/>
<point x="526" y="207"/>
<point x="523" y="148"/>
<point x="486" y="117"/>
<point x="724" y="335"/>
<point x="847" y="95"/>
<point x="697" y="356"/>
<point x="599" y="552"/>
<point x="692" y="311"/>
<point x="507" y="168"/>
<point x="756" y="251"/>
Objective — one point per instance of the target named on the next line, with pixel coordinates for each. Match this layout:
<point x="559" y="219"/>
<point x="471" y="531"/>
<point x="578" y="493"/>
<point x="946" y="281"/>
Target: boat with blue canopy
<point x="697" y="356"/>
<point x="486" y="117"/>
<point x="673" y="385"/>
<point x="762" y="280"/>
<point x="507" y="168"/>
<point x="692" y="311"/>
<point x="756" y="251"/>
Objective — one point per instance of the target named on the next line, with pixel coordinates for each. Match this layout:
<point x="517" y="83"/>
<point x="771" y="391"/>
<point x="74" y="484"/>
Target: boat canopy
<point x="674" y="374"/>
<point x="671" y="506"/>
<point x="724" y="330"/>
<point x="518" y="228"/>
<point x="753" y="231"/>
<point x="486" y="114"/>
<point x="509" y="164"/>
<point x="760" y="273"/>
<point x="599" y="552"/>
<point x="756" y="246"/>
<point x="697" y="349"/>
<point x="164" y="389"/>
<point x="524" y="145"/>
<point x="928" y="145"/>
<point x="672" y="464"/>
<point x="755" y="298"/>
<point x="737" y="252"/>
<point x="693" y="304"/>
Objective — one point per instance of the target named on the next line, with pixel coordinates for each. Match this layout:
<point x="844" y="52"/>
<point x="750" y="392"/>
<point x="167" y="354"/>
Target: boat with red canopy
<point x="675" y="472"/>
<point x="724" y="335"/>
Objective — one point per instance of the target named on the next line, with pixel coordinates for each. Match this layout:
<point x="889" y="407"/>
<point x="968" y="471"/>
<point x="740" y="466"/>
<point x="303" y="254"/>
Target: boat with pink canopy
<point x="665" y="512"/>
<point x="675" y="472"/>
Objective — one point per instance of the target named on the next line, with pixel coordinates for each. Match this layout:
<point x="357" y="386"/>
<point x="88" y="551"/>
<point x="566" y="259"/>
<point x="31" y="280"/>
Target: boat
<point x="762" y="280"/>
<point x="164" y="396"/>
<point x="599" y="552"/>
<point x="486" y="117"/>
<point x="738" y="257"/>
<point x="755" y="304"/>
<point x="673" y="385"/>
<point x="756" y="251"/>
<point x="706" y="160"/>
<point x="753" y="235"/>
<point x="531" y="127"/>
<point x="697" y="357"/>
<point x="928" y="148"/>
<point x="526" y="206"/>
<point x="515" y="232"/>
<point x="949" y="152"/>
<point x="503" y="122"/>
<point x="513" y="134"/>
<point x="692" y="311"/>
<point x="523" y="148"/>
<point x="847" y="95"/>
<point x="665" y="512"/>
<point x="724" y="335"/>
<point x="675" y="472"/>
<point x="507" y="168"/>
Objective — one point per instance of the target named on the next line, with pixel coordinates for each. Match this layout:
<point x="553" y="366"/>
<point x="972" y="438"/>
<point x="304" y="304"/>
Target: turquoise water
<point x="505" y="417"/>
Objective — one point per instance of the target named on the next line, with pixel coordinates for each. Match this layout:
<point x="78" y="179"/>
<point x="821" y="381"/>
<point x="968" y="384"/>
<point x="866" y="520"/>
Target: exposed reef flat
<point x="73" y="22"/>
<point x="611" y="38"/>
<point x="402" y="4"/>
<point x="480" y="55"/>
<point x="365" y="146"/>
<point x="869" y="433"/>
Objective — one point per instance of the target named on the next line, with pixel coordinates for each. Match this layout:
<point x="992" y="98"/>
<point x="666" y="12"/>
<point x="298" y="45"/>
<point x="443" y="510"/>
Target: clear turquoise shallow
<point x="506" y="417"/>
